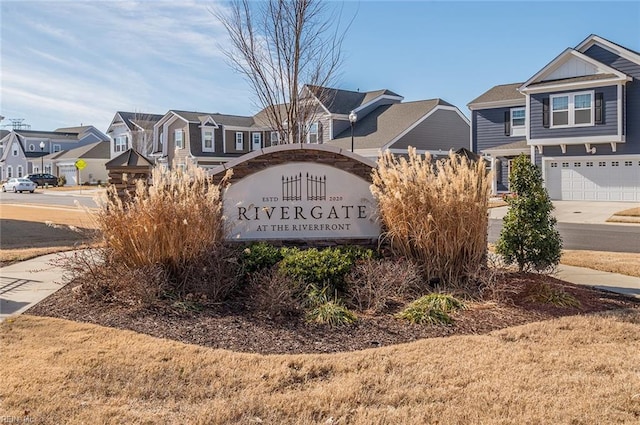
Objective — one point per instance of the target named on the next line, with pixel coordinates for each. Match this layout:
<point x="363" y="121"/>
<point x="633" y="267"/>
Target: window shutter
<point x="507" y="123"/>
<point x="545" y="112"/>
<point x="599" y="112"/>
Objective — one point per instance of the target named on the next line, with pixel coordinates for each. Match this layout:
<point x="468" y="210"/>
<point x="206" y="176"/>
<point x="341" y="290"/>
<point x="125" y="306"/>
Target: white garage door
<point x="593" y="179"/>
<point x="70" y="173"/>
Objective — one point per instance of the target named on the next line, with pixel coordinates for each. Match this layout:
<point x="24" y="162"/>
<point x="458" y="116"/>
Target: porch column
<point x="494" y="179"/>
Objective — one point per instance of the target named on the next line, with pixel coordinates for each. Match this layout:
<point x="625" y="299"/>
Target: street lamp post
<point x="353" y="117"/>
<point x="42" y="157"/>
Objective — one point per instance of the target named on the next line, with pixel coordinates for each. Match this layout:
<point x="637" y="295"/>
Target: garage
<point x="604" y="178"/>
<point x="70" y="173"/>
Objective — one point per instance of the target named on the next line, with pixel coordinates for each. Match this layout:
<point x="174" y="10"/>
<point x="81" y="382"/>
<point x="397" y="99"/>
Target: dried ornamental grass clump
<point x="172" y="221"/>
<point x="434" y="212"/>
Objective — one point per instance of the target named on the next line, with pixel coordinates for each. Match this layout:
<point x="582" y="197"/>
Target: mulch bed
<point x="236" y="329"/>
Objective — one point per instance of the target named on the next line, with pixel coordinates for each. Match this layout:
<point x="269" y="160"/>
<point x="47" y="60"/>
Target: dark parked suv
<point x="43" y="179"/>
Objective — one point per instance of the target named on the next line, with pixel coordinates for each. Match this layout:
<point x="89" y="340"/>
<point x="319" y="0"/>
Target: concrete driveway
<point x="579" y="211"/>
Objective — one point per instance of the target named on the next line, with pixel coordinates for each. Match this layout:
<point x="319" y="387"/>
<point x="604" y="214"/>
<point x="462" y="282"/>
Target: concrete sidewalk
<point x="24" y="284"/>
<point x="579" y="211"/>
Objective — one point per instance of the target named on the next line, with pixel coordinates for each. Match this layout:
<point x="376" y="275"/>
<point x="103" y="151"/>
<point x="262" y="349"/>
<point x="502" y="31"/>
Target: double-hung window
<point x="275" y="138"/>
<point x="120" y="144"/>
<point x="312" y="136"/>
<point x="517" y="121"/>
<point x="207" y="141"/>
<point x="239" y="141"/>
<point x="179" y="140"/>
<point x="572" y="109"/>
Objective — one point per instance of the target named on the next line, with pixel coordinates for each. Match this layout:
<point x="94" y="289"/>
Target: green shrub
<point x="311" y="266"/>
<point x="432" y="309"/>
<point x="529" y="237"/>
<point x="260" y="255"/>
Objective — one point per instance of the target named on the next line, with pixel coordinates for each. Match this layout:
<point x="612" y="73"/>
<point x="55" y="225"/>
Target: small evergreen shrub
<point x="327" y="267"/>
<point x="260" y="255"/>
<point x="431" y="309"/>
<point x="529" y="237"/>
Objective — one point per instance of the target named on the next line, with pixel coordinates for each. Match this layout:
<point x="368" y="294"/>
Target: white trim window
<point x="19" y="173"/>
<point x="178" y="137"/>
<point x="275" y="138"/>
<point x="572" y="109"/>
<point x="239" y="141"/>
<point x="518" y="117"/>
<point x="57" y="148"/>
<point x="256" y="141"/>
<point x="119" y="144"/>
<point x="9" y="171"/>
<point x="47" y="169"/>
<point x="208" y="144"/>
<point x="32" y="147"/>
<point x="15" y="149"/>
<point x="312" y="135"/>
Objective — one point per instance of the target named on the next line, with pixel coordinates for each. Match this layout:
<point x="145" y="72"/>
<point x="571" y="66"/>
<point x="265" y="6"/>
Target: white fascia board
<point x="374" y="100"/>
<point x="238" y="128"/>
<point x="595" y="157"/>
<point x="621" y="111"/>
<point x="209" y="120"/>
<point x="563" y="57"/>
<point x="578" y="85"/>
<point x="575" y="140"/>
<point x="607" y="45"/>
<point x="114" y="124"/>
<point x="424" y="117"/>
<point x="422" y="151"/>
<point x="497" y="104"/>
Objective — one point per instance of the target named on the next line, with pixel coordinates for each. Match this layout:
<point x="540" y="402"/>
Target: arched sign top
<point x="296" y="152"/>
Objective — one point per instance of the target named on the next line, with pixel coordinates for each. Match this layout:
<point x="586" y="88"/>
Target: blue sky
<point x="66" y="63"/>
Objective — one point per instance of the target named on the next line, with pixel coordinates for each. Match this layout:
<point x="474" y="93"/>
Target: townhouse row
<point x="578" y="118"/>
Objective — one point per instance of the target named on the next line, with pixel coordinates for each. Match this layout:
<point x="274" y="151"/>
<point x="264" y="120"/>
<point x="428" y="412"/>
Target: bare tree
<point x="289" y="51"/>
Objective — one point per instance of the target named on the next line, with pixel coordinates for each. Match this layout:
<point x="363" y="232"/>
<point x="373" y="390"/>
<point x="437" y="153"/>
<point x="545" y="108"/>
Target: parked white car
<point x="19" y="184"/>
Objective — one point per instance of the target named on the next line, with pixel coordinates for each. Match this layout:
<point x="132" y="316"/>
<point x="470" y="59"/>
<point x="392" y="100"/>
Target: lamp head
<point x="353" y="117"/>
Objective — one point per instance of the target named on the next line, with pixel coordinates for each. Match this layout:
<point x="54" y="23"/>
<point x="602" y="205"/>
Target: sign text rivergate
<point x="301" y="200"/>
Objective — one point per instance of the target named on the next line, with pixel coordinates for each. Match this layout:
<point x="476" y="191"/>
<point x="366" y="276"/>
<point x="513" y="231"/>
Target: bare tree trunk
<point x="283" y="48"/>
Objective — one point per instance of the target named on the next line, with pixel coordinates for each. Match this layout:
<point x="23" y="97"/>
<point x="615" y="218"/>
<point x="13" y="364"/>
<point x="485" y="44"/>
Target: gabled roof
<point x="386" y="123"/>
<point x="139" y="119"/>
<point x="201" y="117"/>
<point x="594" y="77"/>
<point x="4" y="133"/>
<point x="616" y="48"/>
<point x="502" y="93"/>
<point x="58" y="135"/>
<point x="129" y="158"/>
<point x="513" y="148"/>
<point x="96" y="150"/>
<point x="581" y="65"/>
<point x="338" y="101"/>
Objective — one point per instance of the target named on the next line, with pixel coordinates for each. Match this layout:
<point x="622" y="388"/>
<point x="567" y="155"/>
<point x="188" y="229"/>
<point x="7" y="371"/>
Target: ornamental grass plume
<point x="434" y="212"/>
<point x="170" y="222"/>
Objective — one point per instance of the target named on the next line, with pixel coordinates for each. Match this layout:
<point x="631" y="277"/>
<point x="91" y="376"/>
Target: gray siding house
<point x="132" y="130"/>
<point x="578" y="118"/>
<point x="383" y="122"/>
<point x="27" y="151"/>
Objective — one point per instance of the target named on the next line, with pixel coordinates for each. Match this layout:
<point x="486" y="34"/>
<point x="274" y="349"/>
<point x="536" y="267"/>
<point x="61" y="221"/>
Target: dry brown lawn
<point x="573" y="370"/>
<point x="631" y="212"/>
<point x="58" y="215"/>
<point x="615" y="262"/>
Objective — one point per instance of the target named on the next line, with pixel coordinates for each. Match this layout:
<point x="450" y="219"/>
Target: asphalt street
<point x="594" y="237"/>
<point x="41" y="197"/>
